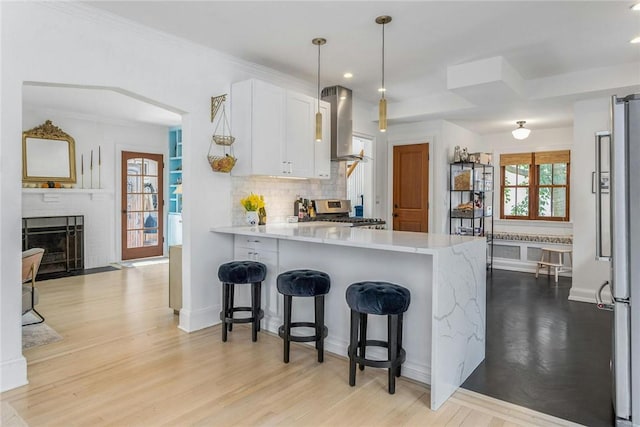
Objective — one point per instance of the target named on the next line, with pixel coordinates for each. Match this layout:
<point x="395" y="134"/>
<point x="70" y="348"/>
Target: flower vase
<point x="252" y="217"/>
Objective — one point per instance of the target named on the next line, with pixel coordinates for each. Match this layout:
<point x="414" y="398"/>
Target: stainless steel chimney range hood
<point x="341" y="101"/>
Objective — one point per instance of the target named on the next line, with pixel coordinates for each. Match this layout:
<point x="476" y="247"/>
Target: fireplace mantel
<point x="65" y="191"/>
<point x="54" y="194"/>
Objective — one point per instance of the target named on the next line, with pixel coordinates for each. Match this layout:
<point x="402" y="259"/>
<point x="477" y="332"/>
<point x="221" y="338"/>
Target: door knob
<point x="395" y="206"/>
<point x="395" y="215"/>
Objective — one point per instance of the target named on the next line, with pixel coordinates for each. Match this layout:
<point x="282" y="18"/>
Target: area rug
<point x="39" y="334"/>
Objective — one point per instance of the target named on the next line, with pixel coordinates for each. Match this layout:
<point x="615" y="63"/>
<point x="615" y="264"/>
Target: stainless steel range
<point x="336" y="210"/>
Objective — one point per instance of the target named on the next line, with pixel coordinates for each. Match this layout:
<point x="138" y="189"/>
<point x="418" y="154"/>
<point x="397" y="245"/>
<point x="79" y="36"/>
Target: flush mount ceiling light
<point x="319" y="42"/>
<point x="635" y="40"/>
<point x="521" y="132"/>
<point x="636" y="7"/>
<point x="382" y="106"/>
<point x="348" y="75"/>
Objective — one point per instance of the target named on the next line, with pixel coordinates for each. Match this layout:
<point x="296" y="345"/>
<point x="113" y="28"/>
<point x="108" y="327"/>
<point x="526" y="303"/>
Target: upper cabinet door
<point x="322" y="158"/>
<point x="257" y="122"/>
<point x="268" y="129"/>
<point x="300" y="134"/>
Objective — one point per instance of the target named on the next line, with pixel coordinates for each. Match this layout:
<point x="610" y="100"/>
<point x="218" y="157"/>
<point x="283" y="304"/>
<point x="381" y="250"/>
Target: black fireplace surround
<point x="61" y="237"/>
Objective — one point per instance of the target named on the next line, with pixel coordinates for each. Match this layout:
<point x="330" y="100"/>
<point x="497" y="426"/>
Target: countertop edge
<point x="261" y="232"/>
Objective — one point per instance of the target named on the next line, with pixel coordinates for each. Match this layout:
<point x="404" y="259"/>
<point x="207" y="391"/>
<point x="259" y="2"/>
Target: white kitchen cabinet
<point x="257" y="122"/>
<point x="322" y="150"/>
<point x="275" y="132"/>
<point x="264" y="250"/>
<point x="300" y="135"/>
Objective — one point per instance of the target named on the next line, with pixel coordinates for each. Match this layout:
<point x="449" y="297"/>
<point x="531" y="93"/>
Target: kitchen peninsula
<point x="444" y="328"/>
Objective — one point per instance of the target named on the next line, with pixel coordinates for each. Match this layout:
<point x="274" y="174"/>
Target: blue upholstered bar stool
<point x="304" y="283"/>
<point x="236" y="273"/>
<point x="384" y="299"/>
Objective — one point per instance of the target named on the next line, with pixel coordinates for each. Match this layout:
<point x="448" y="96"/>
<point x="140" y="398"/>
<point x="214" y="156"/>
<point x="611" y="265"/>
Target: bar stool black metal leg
<point x="400" y="321"/>
<point x="353" y="346"/>
<point x="287" y="326"/>
<point x="392" y="350"/>
<point x="225" y="310"/>
<point x="230" y="296"/>
<point x="254" y="314"/>
<point x="363" y="338"/>
<point x="319" y="320"/>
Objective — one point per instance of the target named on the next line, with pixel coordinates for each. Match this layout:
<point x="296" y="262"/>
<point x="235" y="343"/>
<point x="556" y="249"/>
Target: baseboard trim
<point x="13" y="373"/>
<point x="194" y="320"/>
<point x="582" y="295"/>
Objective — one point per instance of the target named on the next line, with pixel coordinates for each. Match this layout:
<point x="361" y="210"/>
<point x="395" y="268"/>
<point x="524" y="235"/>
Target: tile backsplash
<point x="279" y="193"/>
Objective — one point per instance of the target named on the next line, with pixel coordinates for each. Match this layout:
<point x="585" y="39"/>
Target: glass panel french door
<point x="142" y="205"/>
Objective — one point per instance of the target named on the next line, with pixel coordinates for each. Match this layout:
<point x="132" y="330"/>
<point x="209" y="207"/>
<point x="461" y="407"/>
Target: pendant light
<point x="319" y="42"/>
<point x="382" y="106"/>
<point x="521" y="132"/>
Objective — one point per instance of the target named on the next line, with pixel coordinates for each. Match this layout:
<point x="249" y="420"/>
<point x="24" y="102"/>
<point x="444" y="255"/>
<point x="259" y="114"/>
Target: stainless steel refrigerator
<point x="618" y="241"/>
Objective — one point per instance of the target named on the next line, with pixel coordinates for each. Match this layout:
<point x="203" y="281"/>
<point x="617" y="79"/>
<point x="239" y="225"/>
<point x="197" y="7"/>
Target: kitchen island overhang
<point x="445" y="325"/>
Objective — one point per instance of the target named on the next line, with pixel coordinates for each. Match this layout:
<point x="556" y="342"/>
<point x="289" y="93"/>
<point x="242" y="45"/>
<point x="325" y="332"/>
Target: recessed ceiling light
<point x="636" y="7"/>
<point x="635" y="40"/>
<point x="348" y="75"/>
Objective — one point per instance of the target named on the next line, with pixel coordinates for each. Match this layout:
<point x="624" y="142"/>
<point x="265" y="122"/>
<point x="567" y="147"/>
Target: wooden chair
<point x="31" y="259"/>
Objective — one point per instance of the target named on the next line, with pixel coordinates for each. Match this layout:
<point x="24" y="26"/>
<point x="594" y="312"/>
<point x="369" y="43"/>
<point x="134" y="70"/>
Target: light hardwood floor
<point x="123" y="361"/>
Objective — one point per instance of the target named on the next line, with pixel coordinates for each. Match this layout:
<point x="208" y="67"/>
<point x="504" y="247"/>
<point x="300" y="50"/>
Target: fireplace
<point x="61" y="237"/>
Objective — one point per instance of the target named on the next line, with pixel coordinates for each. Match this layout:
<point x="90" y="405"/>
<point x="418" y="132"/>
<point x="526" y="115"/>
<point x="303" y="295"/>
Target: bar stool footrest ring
<point x="402" y="355"/>
<point x="241" y="320"/>
<point x="306" y="338"/>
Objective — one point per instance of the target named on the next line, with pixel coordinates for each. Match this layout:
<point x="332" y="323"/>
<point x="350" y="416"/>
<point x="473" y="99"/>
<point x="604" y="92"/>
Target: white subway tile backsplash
<point x="279" y="194"/>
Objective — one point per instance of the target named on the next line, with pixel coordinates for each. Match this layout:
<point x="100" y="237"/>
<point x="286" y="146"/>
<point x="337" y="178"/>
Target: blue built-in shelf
<point x="175" y="169"/>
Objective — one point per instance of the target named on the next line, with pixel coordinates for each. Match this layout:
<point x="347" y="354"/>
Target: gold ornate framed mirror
<point x="48" y="154"/>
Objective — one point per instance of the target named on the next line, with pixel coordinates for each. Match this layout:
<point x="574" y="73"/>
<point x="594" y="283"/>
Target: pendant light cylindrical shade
<point x="521" y="132"/>
<point x="382" y="106"/>
<point x="382" y="115"/>
<point x="318" y="126"/>
<point x="319" y="41"/>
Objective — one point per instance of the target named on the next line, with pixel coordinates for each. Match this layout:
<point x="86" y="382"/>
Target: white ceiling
<point x="544" y="41"/>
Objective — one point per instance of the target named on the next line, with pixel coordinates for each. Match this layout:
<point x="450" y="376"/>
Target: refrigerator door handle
<point x="598" y="174"/>
<point x="599" y="302"/>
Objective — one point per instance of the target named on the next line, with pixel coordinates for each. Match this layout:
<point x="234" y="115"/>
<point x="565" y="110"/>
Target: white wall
<point x="69" y="43"/>
<point x="442" y="137"/>
<point x="101" y="210"/>
<point x="589" y="117"/>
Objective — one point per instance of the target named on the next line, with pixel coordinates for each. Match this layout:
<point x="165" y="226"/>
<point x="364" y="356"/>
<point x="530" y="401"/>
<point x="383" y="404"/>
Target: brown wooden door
<point x="411" y="187"/>
<point x="142" y="205"/>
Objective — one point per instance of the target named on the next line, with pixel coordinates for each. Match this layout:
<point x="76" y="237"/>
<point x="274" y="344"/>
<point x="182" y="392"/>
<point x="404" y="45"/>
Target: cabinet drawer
<point x="256" y="243"/>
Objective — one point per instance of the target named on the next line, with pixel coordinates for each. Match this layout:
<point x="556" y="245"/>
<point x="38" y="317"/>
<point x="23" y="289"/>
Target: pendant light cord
<point x="318" y="77"/>
<point x="383" y="88"/>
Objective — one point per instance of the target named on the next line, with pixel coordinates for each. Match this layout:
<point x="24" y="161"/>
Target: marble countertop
<point x="332" y="234"/>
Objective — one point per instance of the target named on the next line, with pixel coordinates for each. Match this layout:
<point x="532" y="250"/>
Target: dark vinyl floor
<point x="544" y="352"/>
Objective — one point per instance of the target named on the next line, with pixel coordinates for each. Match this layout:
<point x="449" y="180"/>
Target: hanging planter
<point x="226" y="161"/>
